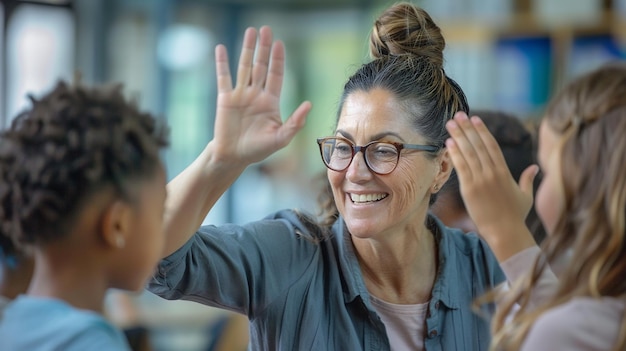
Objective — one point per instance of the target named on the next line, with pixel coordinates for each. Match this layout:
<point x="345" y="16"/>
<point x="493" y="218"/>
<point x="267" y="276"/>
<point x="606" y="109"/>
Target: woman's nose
<point x="358" y="170"/>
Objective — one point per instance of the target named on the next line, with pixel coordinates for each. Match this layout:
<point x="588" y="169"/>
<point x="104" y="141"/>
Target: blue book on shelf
<point x="522" y="74"/>
<point x="590" y="52"/>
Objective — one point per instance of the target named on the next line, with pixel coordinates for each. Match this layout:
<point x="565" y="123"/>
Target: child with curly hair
<point x="84" y="187"/>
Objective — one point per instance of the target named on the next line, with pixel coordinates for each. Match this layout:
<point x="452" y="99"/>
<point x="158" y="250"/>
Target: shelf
<point x="529" y="25"/>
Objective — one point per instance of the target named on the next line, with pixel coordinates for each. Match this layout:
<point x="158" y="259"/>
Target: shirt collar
<point x="444" y="289"/>
<point x="354" y="285"/>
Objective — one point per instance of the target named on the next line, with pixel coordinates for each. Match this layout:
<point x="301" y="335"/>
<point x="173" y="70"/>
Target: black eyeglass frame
<point x="356" y="148"/>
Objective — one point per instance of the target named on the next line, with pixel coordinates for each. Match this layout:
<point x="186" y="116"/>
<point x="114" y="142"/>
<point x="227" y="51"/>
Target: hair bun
<point x="407" y="29"/>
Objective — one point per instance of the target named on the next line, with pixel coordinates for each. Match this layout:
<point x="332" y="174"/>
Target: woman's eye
<point x="384" y="151"/>
<point x="343" y="148"/>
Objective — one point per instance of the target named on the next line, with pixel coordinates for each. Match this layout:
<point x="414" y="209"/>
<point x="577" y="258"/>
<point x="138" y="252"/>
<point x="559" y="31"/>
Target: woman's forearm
<point x="192" y="194"/>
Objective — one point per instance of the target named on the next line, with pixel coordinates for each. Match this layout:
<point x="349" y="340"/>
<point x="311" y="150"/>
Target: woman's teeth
<point x="356" y="198"/>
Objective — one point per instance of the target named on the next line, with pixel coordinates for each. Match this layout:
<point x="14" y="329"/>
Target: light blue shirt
<point x="43" y="324"/>
<point x="301" y="293"/>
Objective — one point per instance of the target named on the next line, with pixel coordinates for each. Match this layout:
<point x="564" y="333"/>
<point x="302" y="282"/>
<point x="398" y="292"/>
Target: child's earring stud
<point x="120" y="242"/>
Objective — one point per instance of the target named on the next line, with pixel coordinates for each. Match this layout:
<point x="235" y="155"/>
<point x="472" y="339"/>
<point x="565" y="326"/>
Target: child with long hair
<point x="84" y="187"/>
<point x="582" y="204"/>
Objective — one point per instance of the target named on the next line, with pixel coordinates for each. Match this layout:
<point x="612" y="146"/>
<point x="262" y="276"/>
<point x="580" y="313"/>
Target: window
<point x="40" y="51"/>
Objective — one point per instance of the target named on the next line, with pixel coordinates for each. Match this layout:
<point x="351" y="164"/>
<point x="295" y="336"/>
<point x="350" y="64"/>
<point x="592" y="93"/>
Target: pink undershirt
<point x="405" y="324"/>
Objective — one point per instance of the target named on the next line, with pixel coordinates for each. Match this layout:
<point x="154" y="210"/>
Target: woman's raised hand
<point x="497" y="204"/>
<point x="248" y="125"/>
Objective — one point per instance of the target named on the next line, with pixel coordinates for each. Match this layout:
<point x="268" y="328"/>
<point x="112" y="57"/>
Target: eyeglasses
<point x="380" y="157"/>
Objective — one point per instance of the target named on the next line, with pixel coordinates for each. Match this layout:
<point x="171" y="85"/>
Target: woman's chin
<point x="363" y="229"/>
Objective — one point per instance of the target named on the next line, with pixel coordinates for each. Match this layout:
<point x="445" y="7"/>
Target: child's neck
<point x="15" y="281"/>
<point x="70" y="279"/>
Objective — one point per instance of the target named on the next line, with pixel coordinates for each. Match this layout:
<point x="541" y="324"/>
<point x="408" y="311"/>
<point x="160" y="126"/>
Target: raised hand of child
<point x="496" y="203"/>
<point x="248" y="125"/>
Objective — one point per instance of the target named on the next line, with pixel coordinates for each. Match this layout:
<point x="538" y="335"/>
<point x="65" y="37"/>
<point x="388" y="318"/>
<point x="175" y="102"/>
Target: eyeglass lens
<point x="338" y="153"/>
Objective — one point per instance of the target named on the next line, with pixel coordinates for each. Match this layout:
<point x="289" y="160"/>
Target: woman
<point x="384" y="275"/>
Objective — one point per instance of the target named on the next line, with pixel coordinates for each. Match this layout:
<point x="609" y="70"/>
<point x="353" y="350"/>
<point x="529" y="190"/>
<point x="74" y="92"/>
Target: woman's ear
<point x="445" y="169"/>
<point x="115" y="224"/>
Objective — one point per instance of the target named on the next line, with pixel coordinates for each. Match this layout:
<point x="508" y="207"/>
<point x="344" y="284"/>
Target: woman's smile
<point x="367" y="198"/>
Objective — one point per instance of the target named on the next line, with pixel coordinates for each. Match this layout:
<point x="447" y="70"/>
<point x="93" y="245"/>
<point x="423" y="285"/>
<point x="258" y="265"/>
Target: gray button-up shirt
<point x="302" y="293"/>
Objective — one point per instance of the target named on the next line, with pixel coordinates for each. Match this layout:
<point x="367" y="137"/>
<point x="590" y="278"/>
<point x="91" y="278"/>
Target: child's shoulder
<point x="584" y="313"/>
<point x="580" y="324"/>
<point x="44" y="323"/>
<point x="33" y="306"/>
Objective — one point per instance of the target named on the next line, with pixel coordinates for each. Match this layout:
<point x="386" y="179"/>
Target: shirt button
<point x="437" y="305"/>
<point x="432" y="333"/>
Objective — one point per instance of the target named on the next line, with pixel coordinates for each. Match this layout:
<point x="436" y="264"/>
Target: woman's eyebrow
<point x="374" y="137"/>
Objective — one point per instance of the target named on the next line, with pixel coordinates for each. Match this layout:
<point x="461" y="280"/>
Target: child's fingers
<point x="244" y="70"/>
<point x="463" y="170"/>
<point x="489" y="144"/>
<point x="475" y="139"/>
<point x="526" y="180"/>
<point x="262" y="60"/>
<point x="464" y="146"/>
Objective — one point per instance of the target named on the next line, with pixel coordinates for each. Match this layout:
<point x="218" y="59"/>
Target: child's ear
<point x="115" y="224"/>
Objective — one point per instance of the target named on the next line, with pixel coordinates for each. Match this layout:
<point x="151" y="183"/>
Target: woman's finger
<point x="275" y="76"/>
<point x="244" y="70"/>
<point x="262" y="59"/>
<point x="294" y="123"/>
<point x="224" y="79"/>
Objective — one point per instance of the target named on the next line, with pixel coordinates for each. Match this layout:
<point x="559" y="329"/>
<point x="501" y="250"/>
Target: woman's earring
<point x="436" y="187"/>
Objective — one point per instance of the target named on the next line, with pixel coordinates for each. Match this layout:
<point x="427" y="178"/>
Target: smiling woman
<point x="389" y="275"/>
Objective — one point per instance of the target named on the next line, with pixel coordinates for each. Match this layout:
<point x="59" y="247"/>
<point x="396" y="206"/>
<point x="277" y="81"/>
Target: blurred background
<point x="509" y="55"/>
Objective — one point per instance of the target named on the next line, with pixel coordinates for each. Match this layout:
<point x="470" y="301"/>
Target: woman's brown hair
<point x="406" y="47"/>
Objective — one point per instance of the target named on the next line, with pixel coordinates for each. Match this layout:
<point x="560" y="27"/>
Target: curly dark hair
<point x="72" y="143"/>
<point x="8" y="250"/>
